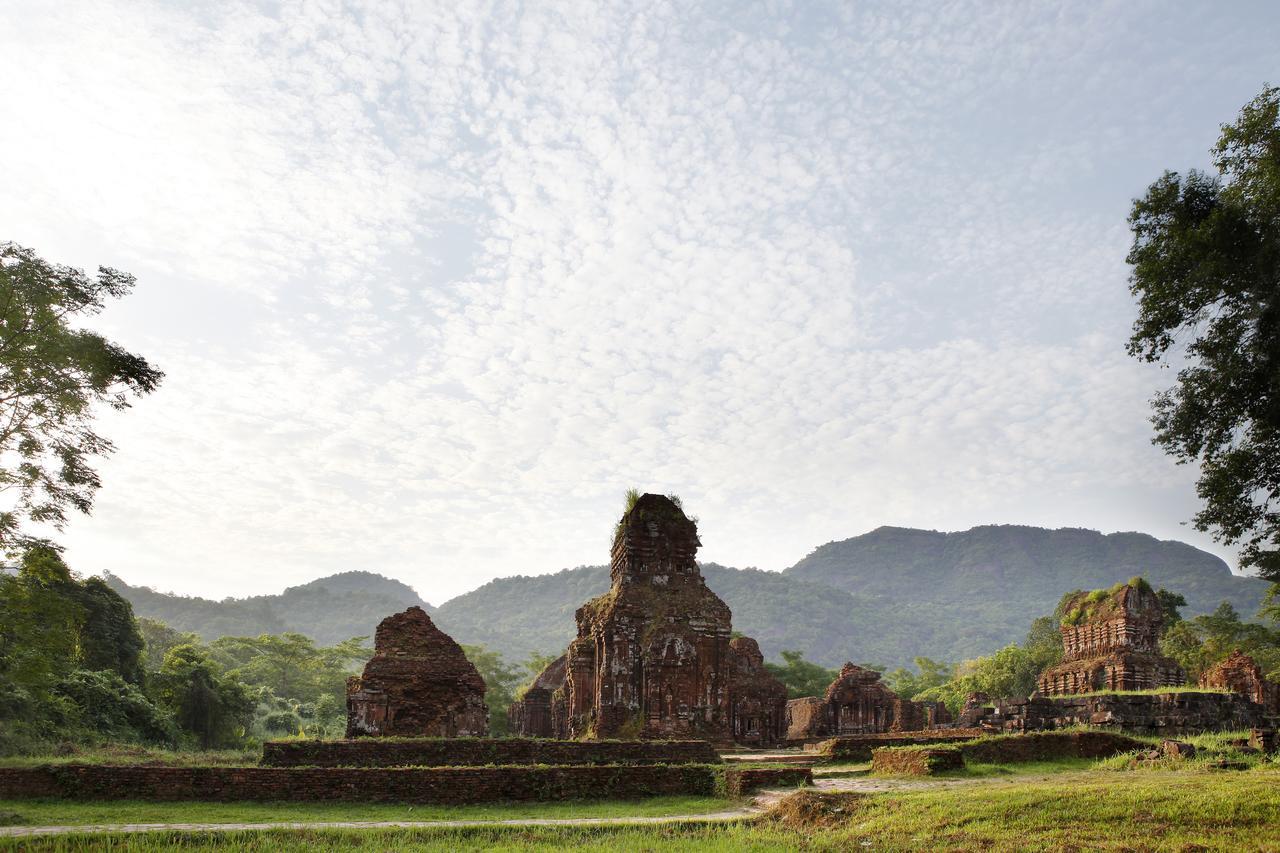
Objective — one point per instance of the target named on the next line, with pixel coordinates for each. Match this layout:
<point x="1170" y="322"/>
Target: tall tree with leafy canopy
<point x="53" y="372"/>
<point x="1206" y="272"/>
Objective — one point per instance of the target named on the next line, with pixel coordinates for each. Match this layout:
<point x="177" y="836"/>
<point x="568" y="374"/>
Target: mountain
<point x="882" y="598"/>
<point x="331" y="609"/>
<point x="997" y="578"/>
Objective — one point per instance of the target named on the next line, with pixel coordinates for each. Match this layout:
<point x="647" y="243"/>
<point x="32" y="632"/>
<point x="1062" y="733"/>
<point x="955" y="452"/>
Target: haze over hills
<point x="883" y="598"/>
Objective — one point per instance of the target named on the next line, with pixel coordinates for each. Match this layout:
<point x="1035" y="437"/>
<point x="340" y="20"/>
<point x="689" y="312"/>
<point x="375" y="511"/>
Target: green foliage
<point x="801" y="677"/>
<point x="290" y="664"/>
<point x="158" y="638"/>
<point x="211" y="708"/>
<point x="53" y="372"/>
<point x="1010" y="672"/>
<point x="500" y="681"/>
<point x="930" y="674"/>
<point x="109" y="635"/>
<point x="1202" y="641"/>
<point x="1205" y="266"/>
<point x="115" y="709"/>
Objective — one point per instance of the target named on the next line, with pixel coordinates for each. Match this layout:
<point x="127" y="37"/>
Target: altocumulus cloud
<point x="434" y="284"/>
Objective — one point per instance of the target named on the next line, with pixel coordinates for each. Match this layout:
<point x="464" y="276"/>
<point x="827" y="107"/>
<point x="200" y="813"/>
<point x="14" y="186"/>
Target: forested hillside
<point x="881" y="598"/>
<point x="329" y="610"/>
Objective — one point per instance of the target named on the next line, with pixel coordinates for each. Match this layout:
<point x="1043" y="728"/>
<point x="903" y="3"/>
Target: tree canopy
<point x="52" y="374"/>
<point x="1206" y="272"/>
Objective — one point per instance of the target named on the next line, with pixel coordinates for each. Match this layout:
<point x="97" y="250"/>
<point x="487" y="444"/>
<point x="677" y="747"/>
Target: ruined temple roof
<point x="1133" y="599"/>
<point x="410" y="638"/>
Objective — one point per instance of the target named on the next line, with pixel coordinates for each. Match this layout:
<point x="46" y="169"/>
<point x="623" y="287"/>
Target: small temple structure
<point x="1239" y="673"/>
<point x="540" y="712"/>
<point x="417" y="684"/>
<point x="757" y="700"/>
<point x="857" y="702"/>
<point x="1110" y="641"/>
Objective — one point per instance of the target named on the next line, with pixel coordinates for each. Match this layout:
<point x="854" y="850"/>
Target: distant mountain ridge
<point x="883" y="598"/>
<point x="329" y="609"/>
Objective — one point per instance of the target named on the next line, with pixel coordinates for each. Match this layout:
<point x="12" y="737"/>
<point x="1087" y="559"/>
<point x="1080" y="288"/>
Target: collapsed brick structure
<point x="1110" y="642"/>
<point x="540" y="712"/>
<point x="417" y="684"/>
<point x="757" y="700"/>
<point x="806" y="719"/>
<point x="1240" y="674"/>
<point x="858" y="703"/>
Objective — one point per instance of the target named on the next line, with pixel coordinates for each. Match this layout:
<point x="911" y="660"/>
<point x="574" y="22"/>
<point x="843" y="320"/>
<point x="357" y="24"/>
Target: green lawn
<point x="64" y="812"/>
<point x="1189" y="809"/>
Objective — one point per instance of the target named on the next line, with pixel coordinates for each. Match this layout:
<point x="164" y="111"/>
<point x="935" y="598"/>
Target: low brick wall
<point x="739" y="781"/>
<point x="1044" y="746"/>
<point x="859" y="747"/>
<point x="915" y="760"/>
<point x="477" y="752"/>
<point x="1148" y="713"/>
<point x="441" y="785"/>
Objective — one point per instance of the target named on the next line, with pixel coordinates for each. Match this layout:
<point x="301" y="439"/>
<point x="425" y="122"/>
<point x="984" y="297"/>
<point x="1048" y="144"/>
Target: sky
<point x="434" y="284"/>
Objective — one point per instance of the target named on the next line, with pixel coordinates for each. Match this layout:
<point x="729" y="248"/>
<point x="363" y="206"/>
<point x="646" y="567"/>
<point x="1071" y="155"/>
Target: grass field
<point x="66" y="813"/>
<point x="1193" y="808"/>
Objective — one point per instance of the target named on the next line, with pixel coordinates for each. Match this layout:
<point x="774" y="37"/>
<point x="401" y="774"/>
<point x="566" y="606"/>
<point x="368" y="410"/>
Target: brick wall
<point x="743" y="780"/>
<point x="1149" y="713"/>
<point x="475" y="752"/>
<point x="915" y="760"/>
<point x="442" y="785"/>
<point x="859" y="747"/>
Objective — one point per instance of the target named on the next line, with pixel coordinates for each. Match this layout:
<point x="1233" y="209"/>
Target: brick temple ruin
<point x="540" y="712"/>
<point x="1110" y="641"/>
<point x="417" y="684"/>
<point x="653" y="656"/>
<point x="1240" y="674"/>
<point x="757" y="700"/>
<point x="857" y="703"/>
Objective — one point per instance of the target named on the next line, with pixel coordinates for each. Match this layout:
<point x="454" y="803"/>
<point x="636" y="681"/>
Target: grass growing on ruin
<point x="132" y="754"/>
<point x="1196" y="809"/>
<point x="1154" y="691"/>
<point x="52" y="812"/>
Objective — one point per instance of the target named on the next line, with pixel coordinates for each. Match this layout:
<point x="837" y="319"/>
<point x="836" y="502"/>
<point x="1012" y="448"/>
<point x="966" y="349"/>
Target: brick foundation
<point x="444" y="785"/>
<point x="859" y="747"/>
<point x="739" y="781"/>
<point x="474" y="752"/>
<point x="915" y="760"/>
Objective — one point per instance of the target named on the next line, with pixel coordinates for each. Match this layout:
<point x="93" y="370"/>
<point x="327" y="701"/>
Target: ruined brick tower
<point x="651" y="658"/>
<point x="417" y="684"/>
<point x="1110" y="641"/>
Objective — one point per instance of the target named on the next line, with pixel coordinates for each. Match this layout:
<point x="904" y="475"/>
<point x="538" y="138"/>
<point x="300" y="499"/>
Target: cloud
<point x="434" y="284"/>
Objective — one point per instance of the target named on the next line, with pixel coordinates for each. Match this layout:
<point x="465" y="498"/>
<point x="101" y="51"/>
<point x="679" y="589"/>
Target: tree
<point x="500" y="683"/>
<point x="1206" y="272"/>
<point x="801" y="677"/>
<point x="52" y="374"/>
<point x="109" y="635"/>
<point x="209" y="706"/>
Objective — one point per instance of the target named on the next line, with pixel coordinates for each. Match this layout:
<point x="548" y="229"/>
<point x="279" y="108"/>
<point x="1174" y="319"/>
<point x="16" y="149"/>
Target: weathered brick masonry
<point x="743" y="780"/>
<point x="1110" y="641"/>
<point x="860" y="747"/>
<point x="442" y="785"/>
<point x="1144" y="713"/>
<point x="417" y="684"/>
<point x="473" y="752"/>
